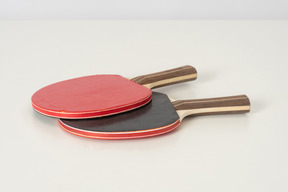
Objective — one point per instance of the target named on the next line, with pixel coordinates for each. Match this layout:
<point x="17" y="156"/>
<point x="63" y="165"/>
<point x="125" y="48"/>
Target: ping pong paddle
<point x="103" y="95"/>
<point x="160" y="116"/>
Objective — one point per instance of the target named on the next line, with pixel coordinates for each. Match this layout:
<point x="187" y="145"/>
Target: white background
<point x="144" y="9"/>
<point x="215" y="153"/>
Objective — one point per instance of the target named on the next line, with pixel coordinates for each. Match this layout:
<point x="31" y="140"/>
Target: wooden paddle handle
<point x="169" y="77"/>
<point x="221" y="105"/>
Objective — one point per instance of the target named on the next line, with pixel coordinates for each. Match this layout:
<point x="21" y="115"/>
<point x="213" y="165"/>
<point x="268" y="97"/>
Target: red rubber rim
<point x="120" y="135"/>
<point x="82" y="115"/>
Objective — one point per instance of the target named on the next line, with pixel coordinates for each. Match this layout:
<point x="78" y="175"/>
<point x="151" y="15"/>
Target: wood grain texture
<point x="221" y="105"/>
<point x="168" y="77"/>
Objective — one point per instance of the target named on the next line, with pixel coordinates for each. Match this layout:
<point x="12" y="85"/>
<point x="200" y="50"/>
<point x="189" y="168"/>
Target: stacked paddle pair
<point x="114" y="107"/>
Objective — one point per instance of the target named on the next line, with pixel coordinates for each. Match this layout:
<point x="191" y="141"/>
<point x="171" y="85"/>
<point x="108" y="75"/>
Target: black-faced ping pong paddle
<point x="160" y="116"/>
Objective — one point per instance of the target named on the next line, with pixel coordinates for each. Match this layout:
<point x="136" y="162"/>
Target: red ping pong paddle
<point x="103" y="95"/>
<point x="160" y="116"/>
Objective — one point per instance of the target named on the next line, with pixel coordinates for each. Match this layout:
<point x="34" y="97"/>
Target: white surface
<point x="144" y="9"/>
<point x="213" y="153"/>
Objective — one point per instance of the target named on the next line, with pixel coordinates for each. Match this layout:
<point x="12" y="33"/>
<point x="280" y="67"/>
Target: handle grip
<point x="213" y="106"/>
<point x="168" y="77"/>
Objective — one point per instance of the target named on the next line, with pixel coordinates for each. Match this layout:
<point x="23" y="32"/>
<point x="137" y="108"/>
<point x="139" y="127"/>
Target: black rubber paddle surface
<point x="158" y="113"/>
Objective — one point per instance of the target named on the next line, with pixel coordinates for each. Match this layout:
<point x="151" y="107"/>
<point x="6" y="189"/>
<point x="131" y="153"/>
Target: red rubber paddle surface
<point x="90" y="96"/>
